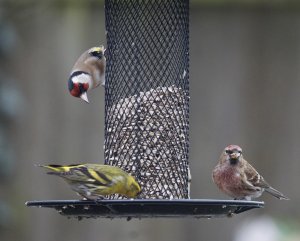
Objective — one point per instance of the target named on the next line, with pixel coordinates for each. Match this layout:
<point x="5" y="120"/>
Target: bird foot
<point x="99" y="199"/>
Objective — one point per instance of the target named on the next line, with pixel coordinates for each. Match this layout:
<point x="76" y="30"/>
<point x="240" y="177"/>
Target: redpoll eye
<point x="229" y="152"/>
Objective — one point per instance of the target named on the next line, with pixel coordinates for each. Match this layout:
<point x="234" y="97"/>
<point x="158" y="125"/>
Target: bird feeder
<point x="147" y="115"/>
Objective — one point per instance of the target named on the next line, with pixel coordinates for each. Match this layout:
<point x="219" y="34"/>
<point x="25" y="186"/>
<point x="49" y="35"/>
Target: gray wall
<point x="245" y="84"/>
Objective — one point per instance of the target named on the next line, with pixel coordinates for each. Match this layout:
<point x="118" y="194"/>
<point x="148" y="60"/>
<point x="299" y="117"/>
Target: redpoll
<point x="93" y="181"/>
<point x="88" y="72"/>
<point x="237" y="178"/>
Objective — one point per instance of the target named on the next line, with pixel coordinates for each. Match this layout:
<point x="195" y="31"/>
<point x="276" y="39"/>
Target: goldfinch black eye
<point x="81" y="88"/>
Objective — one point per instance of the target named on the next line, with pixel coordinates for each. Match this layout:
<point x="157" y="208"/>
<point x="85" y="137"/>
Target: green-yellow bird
<point x="93" y="181"/>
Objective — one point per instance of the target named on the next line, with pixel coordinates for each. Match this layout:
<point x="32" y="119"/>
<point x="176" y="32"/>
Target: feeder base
<point x="148" y="208"/>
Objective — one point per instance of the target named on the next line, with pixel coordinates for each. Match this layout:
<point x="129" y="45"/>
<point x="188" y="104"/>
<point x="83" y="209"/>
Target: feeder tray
<point x="141" y="208"/>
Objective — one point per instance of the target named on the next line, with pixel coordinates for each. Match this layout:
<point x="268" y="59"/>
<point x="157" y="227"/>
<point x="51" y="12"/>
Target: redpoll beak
<point x="235" y="155"/>
<point x="84" y="97"/>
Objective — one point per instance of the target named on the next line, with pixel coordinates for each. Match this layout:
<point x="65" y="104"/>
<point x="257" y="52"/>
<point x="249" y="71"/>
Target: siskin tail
<point x="276" y="193"/>
<point x="58" y="169"/>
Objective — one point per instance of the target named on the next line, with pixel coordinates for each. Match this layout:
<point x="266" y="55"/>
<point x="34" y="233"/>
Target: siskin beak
<point x="84" y="97"/>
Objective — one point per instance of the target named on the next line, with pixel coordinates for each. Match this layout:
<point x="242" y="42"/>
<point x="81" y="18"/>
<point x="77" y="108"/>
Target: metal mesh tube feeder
<point x="147" y="94"/>
<point x="147" y="115"/>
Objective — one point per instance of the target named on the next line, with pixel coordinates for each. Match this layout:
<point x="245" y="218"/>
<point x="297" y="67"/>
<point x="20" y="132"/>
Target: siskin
<point x="93" y="181"/>
<point x="87" y="73"/>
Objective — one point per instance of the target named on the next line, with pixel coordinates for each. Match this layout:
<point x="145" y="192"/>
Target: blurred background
<point x="244" y="87"/>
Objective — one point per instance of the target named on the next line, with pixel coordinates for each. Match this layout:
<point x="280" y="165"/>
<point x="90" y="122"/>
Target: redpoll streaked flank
<point x="237" y="178"/>
<point x="88" y="72"/>
<point x="93" y="181"/>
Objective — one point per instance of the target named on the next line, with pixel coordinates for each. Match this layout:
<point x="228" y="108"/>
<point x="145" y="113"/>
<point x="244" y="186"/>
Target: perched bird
<point x="237" y="178"/>
<point x="88" y="72"/>
<point x="93" y="181"/>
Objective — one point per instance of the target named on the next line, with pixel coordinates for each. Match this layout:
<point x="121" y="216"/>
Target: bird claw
<point x="99" y="199"/>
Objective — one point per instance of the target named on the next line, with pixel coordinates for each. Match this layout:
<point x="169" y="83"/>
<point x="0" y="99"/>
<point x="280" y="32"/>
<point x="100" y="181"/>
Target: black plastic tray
<point x="148" y="208"/>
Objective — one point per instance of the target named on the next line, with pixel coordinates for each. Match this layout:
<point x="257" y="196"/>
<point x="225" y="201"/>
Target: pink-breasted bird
<point x="237" y="178"/>
<point x="88" y="72"/>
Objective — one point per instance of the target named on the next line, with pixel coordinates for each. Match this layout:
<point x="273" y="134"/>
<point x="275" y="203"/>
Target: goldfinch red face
<point x="78" y="85"/>
<point x="233" y="154"/>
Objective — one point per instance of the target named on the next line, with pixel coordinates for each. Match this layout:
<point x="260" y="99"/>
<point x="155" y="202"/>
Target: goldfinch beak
<point x="84" y="97"/>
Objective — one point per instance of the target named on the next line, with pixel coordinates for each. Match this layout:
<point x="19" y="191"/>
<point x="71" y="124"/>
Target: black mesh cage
<point x="147" y="94"/>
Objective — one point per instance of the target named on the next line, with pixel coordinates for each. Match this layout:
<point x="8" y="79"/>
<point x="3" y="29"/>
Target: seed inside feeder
<point x="146" y="136"/>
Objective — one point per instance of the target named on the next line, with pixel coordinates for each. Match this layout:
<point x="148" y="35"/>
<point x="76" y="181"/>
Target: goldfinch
<point x="237" y="178"/>
<point x="88" y="72"/>
<point x="93" y="181"/>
